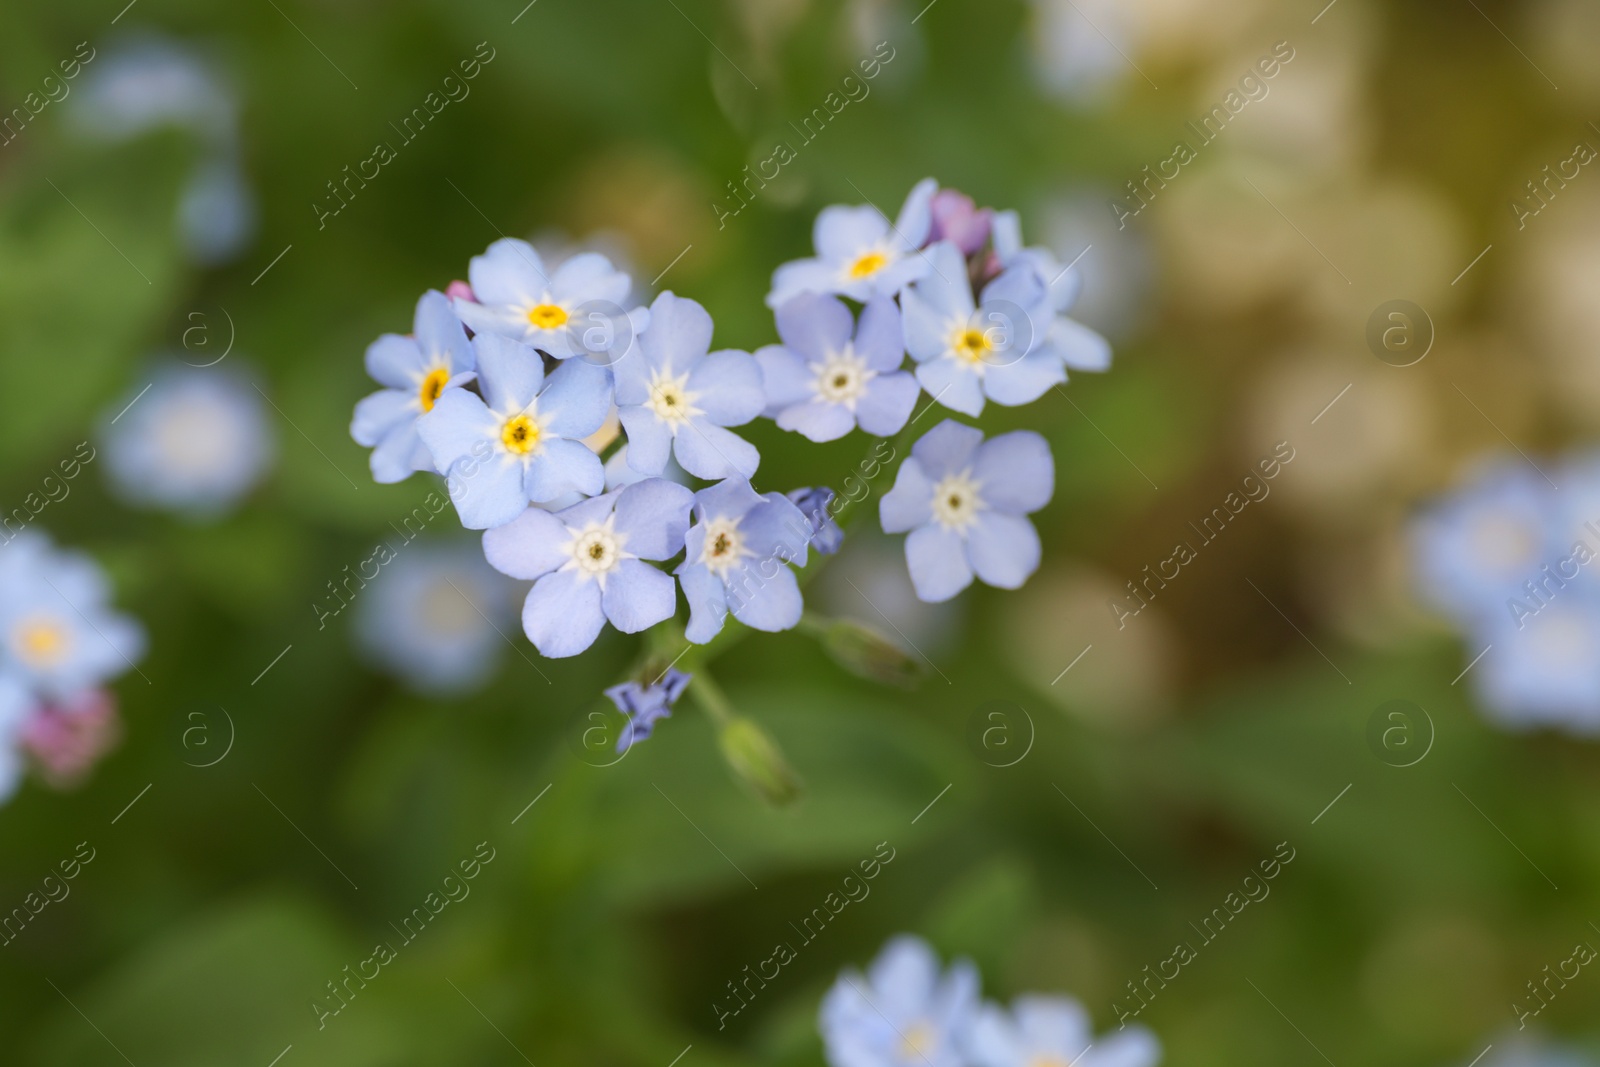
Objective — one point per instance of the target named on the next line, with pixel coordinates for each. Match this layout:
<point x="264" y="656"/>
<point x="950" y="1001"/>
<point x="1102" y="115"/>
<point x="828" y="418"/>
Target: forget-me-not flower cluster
<point x="602" y="448"/>
<point x="60" y="643"/>
<point x="908" y="1011"/>
<point x="1513" y="562"/>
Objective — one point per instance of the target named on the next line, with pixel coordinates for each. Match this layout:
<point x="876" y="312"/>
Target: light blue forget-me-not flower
<point x="516" y="296"/>
<point x="997" y="348"/>
<point x="904" y="1012"/>
<point x="737" y="560"/>
<point x="964" y="501"/>
<point x="58" y="632"/>
<point x="860" y="253"/>
<point x="674" y="399"/>
<point x="414" y="371"/>
<point x="522" y="441"/>
<point x="822" y="382"/>
<point x="587" y="563"/>
<point x="1053" y="1031"/>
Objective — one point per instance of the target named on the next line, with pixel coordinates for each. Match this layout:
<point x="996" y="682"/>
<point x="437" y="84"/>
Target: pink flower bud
<point x="67" y="740"/>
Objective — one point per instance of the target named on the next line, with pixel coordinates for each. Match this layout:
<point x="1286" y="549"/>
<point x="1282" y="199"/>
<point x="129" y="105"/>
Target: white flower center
<point x="724" y="546"/>
<point x="956" y="501"/>
<point x="596" y="550"/>
<point x="1562" y="642"/>
<point x="197" y="438"/>
<point x="1503" y="543"/>
<point x="671" y="399"/>
<point x="446" y="611"/>
<point x="842" y="378"/>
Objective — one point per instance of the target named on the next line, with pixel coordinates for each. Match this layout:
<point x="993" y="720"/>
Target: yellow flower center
<point x="918" y="1040"/>
<point x="548" y="316"/>
<point x="520" y="434"/>
<point x="869" y="264"/>
<point x="432" y="386"/>
<point x="41" y="641"/>
<point x="972" y="345"/>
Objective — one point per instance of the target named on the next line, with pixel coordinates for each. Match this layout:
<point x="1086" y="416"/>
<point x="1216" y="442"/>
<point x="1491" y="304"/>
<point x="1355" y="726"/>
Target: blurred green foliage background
<point x="1177" y="754"/>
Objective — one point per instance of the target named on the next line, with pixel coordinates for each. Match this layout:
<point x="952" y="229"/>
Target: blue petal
<point x="953" y="384"/>
<point x="817" y="420"/>
<point x="582" y="512"/>
<point x="887" y="405"/>
<point x="776" y="529"/>
<point x="487" y="493"/>
<point x="509" y="272"/>
<point x="937" y="560"/>
<point x="459" y="420"/>
<point x="1024" y="381"/>
<point x="1078" y="346"/>
<point x="1023" y="287"/>
<point x="916" y="214"/>
<point x="765" y="596"/>
<point x="679" y="333"/>
<point x="440" y="336"/>
<point x="1003" y="549"/>
<point x="710" y="452"/>
<point x="785" y="378"/>
<point x="947" y="448"/>
<point x="708" y="602"/>
<point x="1015" y="471"/>
<point x="562" y="615"/>
<point x="395" y="361"/>
<point x="562" y="466"/>
<point x="814" y="326"/>
<point x="729" y="499"/>
<point x="801" y="276"/>
<point x="509" y="372"/>
<point x="842" y="233"/>
<point x="528" y="546"/>
<point x="399" y="455"/>
<point x="637" y="596"/>
<point x="379" y="413"/>
<point x="502" y="319"/>
<point x="649" y="441"/>
<point x="589" y="276"/>
<point x="727" y="387"/>
<point x="654" y="516"/>
<point x="945" y="290"/>
<point x="910" y="503"/>
<point x="880" y="337"/>
<point x="576" y="399"/>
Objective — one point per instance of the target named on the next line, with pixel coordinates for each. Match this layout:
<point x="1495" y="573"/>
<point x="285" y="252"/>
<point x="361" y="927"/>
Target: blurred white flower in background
<point x="1117" y="267"/>
<point x="1081" y="48"/>
<point x="149" y="82"/>
<point x="194" y="441"/>
<point x="434" y="616"/>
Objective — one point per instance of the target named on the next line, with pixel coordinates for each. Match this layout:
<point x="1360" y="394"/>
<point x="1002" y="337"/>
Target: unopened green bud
<point x="863" y="651"/>
<point x="758" y="764"/>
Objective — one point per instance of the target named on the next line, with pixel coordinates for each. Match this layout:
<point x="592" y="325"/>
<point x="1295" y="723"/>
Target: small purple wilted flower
<point x="645" y="704"/>
<point x="957" y="219"/>
<point x="826" y="537"/>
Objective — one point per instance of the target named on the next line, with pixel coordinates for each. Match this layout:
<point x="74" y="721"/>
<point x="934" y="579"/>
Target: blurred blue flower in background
<point x="1513" y="562"/>
<point x="963" y="500"/>
<point x="415" y="370"/>
<point x="905" y="1012"/>
<point x="822" y="383"/>
<point x="674" y="399"/>
<point x="1045" y="1031"/>
<point x="860" y="253"/>
<point x="432" y="617"/>
<point x="1477" y="547"/>
<point x="195" y="443"/>
<point x="58" y="632"/>
<point x="148" y="82"/>
<point x="587" y="563"/>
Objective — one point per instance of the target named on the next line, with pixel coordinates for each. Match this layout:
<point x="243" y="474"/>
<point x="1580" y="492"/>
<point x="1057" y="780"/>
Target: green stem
<point x="709" y="695"/>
